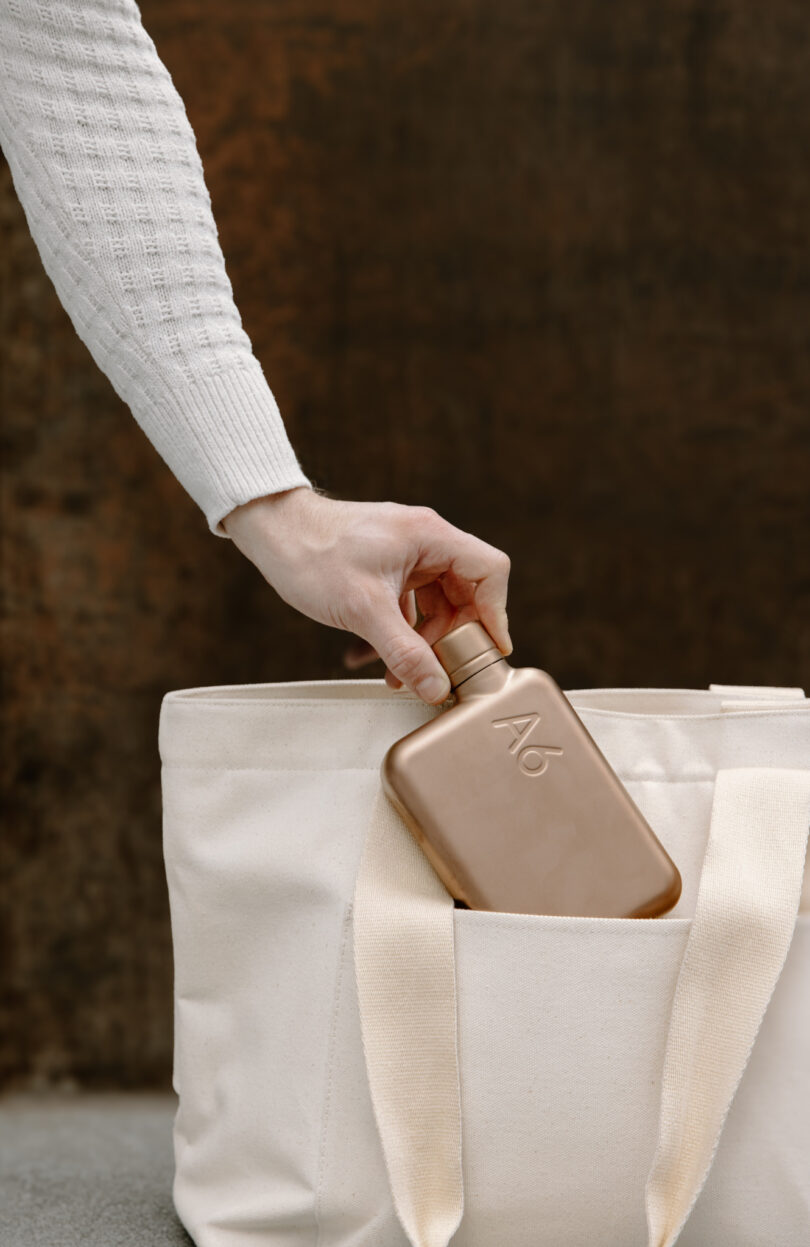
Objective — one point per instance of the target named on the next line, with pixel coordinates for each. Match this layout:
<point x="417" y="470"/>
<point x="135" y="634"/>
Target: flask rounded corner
<point x="390" y="769"/>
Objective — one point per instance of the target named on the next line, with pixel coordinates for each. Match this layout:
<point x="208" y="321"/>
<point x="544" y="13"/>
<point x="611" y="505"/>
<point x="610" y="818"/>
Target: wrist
<point x="265" y="510"/>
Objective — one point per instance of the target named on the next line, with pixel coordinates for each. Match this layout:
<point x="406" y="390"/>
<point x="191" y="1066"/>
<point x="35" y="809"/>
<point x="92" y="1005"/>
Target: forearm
<point x="106" y="167"/>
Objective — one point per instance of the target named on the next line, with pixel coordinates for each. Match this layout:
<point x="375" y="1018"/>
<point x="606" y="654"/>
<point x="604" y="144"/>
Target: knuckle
<point x="424" y="515"/>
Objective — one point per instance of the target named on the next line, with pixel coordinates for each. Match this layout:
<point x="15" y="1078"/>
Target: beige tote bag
<point x="361" y="1064"/>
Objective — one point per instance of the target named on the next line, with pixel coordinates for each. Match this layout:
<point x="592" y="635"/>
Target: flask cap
<point x="465" y="651"/>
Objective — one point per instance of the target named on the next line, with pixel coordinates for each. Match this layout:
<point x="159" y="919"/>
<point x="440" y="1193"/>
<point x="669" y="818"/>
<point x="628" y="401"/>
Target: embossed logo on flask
<point x="531" y="759"/>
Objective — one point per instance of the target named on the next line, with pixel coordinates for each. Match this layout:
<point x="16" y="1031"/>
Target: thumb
<point x="407" y="655"/>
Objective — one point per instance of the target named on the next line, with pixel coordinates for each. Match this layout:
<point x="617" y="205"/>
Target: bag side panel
<point x="260" y="866"/>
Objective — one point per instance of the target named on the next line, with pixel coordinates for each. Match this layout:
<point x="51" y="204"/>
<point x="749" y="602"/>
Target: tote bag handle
<point x="745" y="914"/>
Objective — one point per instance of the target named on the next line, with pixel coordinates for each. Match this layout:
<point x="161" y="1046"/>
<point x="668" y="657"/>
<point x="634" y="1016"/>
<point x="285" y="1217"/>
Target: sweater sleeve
<point x="105" y="164"/>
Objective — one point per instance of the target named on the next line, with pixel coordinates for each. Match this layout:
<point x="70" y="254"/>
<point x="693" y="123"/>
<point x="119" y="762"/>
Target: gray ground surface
<point x="94" y="1170"/>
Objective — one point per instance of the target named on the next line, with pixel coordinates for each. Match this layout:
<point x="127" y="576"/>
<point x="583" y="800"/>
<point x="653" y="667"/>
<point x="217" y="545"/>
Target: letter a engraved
<point x="520" y="726"/>
<point x="532" y="759"/>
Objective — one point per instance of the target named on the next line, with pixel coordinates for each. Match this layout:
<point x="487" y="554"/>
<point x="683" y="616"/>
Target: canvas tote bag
<point x="361" y="1064"/>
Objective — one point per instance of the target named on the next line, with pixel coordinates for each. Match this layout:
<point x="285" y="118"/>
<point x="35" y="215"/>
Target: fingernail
<point x="433" y="688"/>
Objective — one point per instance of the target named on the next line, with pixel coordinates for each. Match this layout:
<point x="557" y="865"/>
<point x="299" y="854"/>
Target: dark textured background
<point x="544" y="267"/>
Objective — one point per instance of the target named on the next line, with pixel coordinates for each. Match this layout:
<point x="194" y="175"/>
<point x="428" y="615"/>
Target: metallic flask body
<point x="514" y="805"/>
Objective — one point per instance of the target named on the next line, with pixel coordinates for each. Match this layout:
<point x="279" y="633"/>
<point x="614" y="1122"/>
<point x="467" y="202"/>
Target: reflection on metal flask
<point x="513" y="803"/>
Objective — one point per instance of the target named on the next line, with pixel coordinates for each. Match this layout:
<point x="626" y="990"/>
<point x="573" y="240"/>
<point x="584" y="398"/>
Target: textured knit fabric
<point x="106" y="167"/>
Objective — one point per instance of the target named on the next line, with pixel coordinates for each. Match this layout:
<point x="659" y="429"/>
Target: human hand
<point x="366" y="566"/>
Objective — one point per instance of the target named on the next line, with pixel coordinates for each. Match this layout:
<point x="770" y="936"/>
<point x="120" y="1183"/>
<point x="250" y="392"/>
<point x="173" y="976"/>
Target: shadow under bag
<point x="359" y="1063"/>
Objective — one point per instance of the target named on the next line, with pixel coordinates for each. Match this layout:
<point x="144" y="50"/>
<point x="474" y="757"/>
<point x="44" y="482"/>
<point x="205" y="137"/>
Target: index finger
<point x="487" y="568"/>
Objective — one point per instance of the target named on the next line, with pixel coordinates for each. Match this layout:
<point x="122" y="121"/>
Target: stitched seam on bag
<point x="330" y="1075"/>
<point x="294" y="770"/>
<point x="279" y="770"/>
<point x="342" y="704"/>
<point x="672" y="926"/>
<point x="575" y="922"/>
<point x="290" y="703"/>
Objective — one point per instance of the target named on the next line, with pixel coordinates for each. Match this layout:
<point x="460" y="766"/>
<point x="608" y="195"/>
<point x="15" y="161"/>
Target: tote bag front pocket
<point x="587" y="1055"/>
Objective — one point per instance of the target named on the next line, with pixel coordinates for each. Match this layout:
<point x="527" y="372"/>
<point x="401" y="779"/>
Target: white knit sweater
<point x="106" y="167"/>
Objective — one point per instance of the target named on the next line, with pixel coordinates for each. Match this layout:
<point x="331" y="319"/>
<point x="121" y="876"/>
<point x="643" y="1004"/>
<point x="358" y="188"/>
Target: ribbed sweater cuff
<point x="225" y="441"/>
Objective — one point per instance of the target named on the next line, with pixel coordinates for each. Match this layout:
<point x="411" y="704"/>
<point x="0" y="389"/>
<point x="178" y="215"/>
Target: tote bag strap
<point x="403" y="923"/>
<point x="745" y="915"/>
<point x="755" y="696"/>
<point x="404" y="959"/>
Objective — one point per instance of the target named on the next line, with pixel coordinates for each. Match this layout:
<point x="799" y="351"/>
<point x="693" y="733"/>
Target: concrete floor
<point x="94" y="1170"/>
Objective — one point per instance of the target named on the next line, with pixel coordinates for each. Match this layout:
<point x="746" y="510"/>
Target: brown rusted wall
<point x="544" y="267"/>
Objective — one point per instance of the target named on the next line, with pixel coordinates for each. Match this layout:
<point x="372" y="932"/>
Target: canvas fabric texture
<point x="358" y="1062"/>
